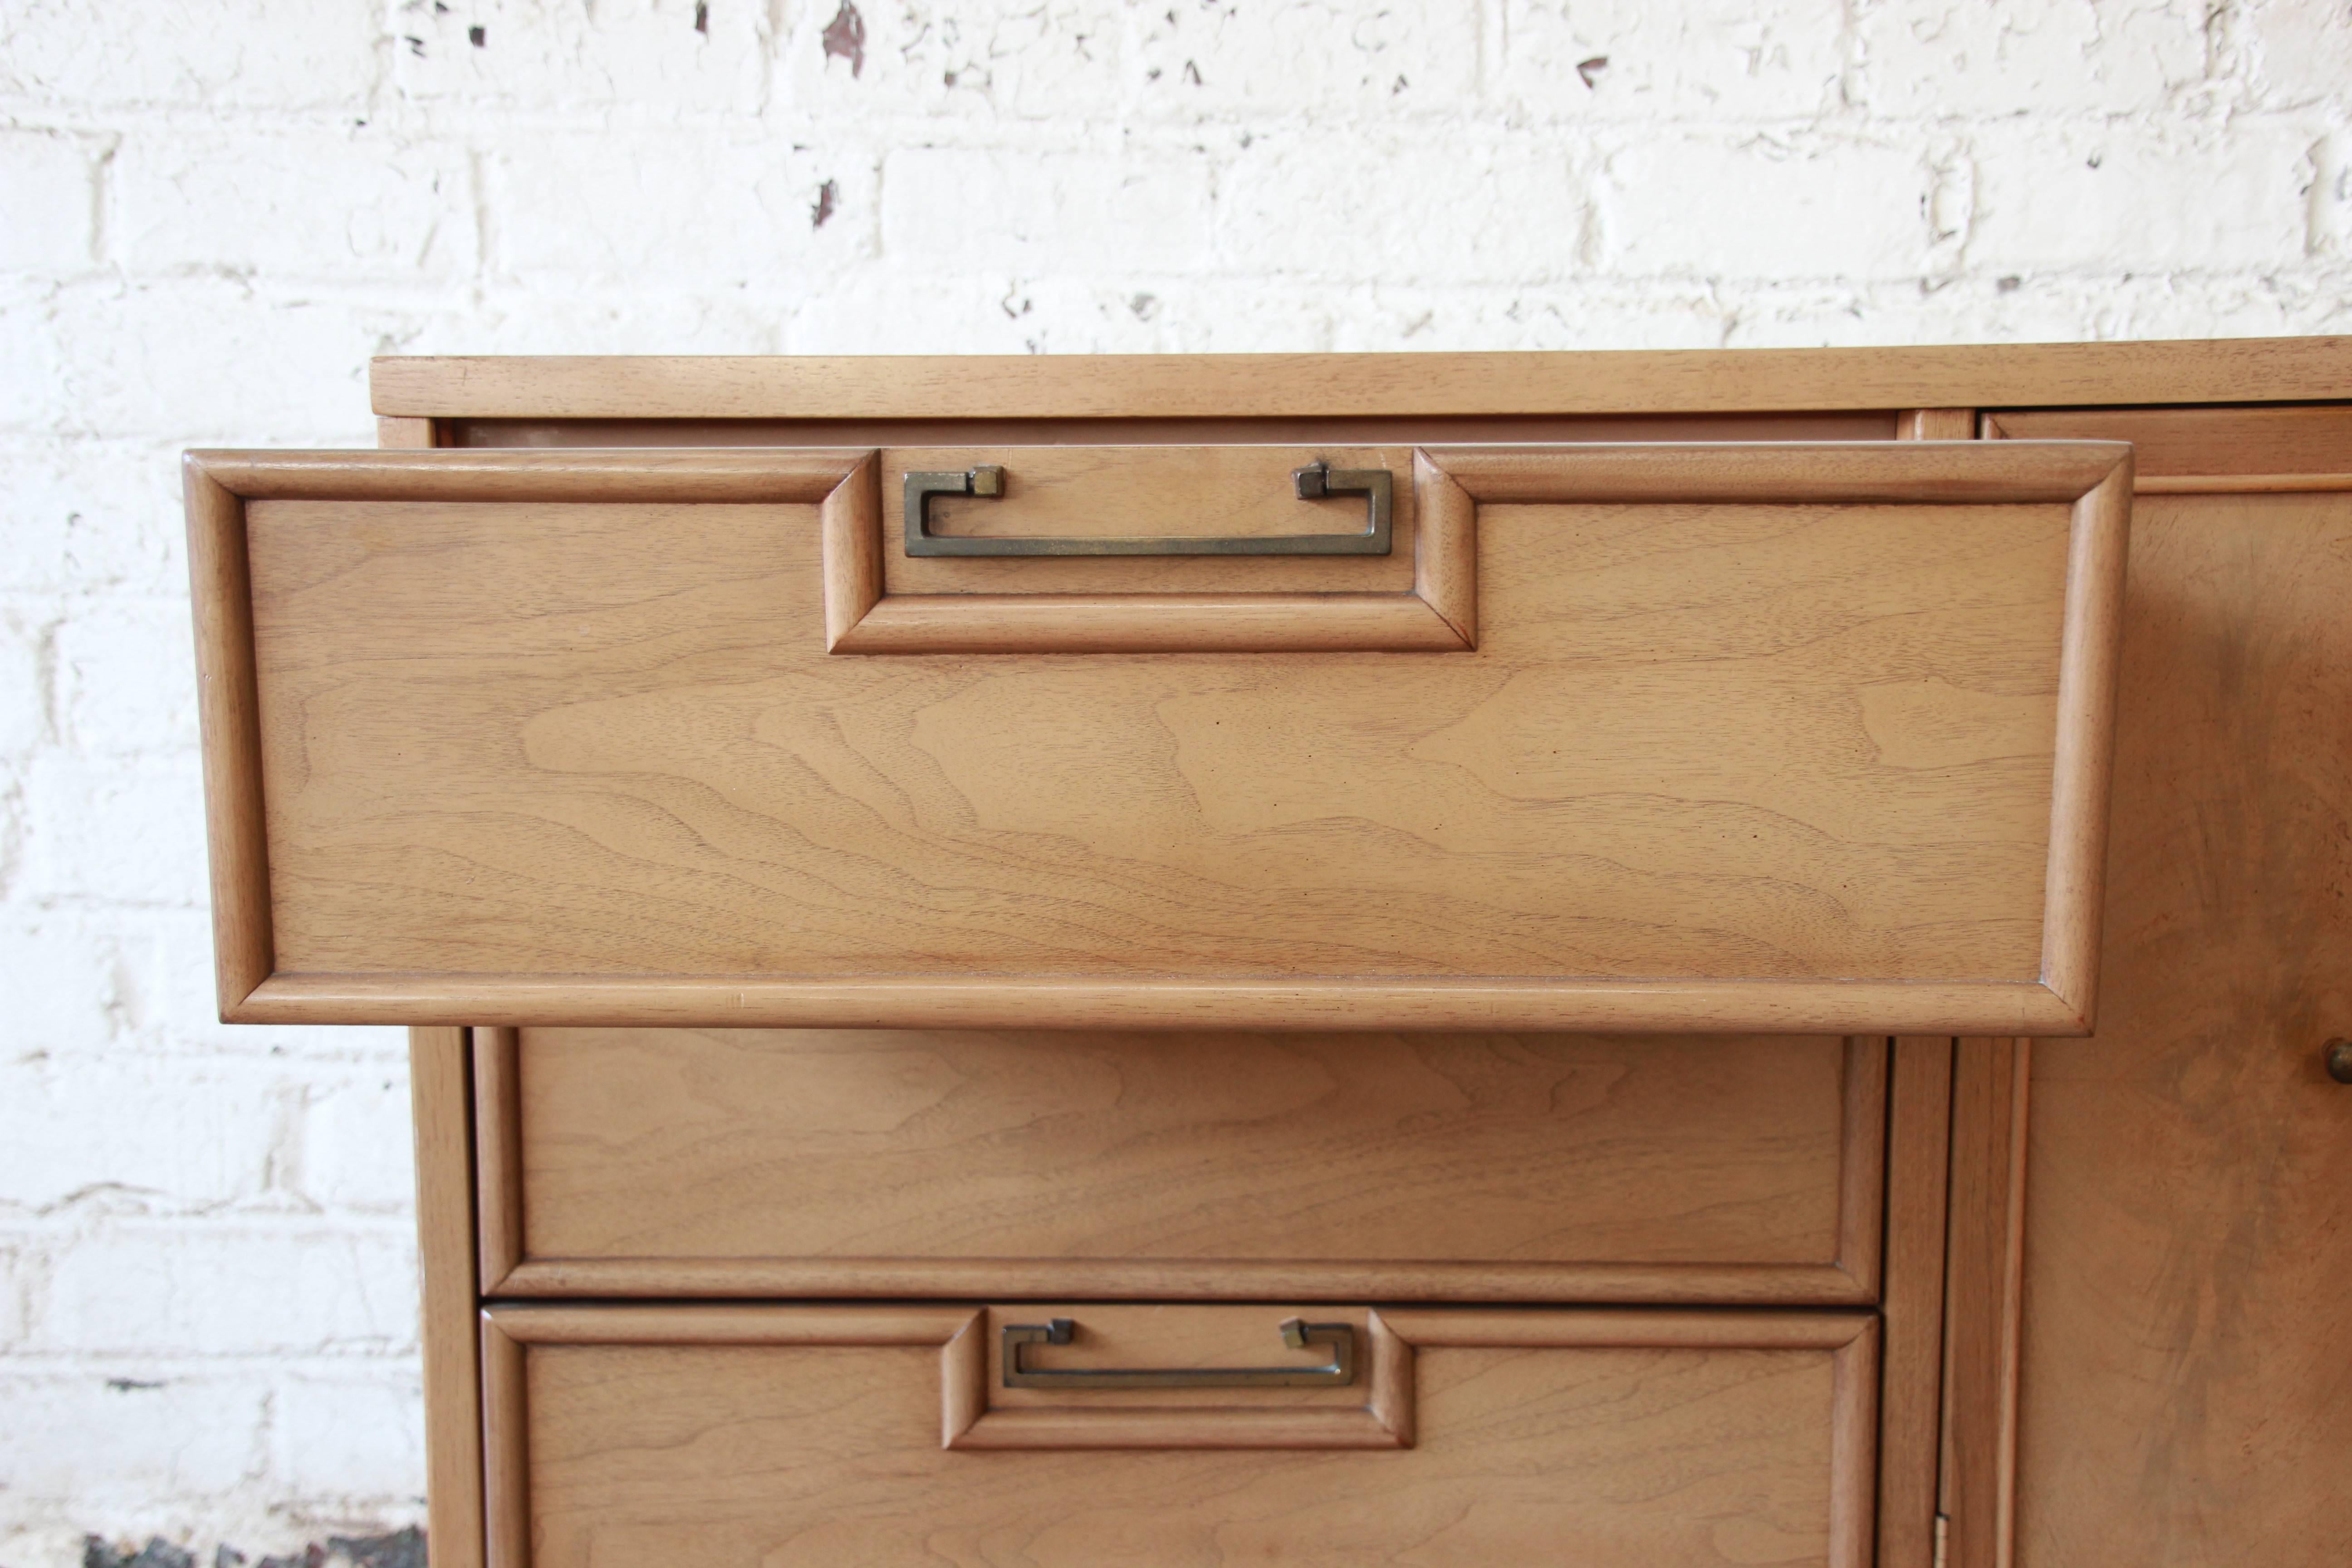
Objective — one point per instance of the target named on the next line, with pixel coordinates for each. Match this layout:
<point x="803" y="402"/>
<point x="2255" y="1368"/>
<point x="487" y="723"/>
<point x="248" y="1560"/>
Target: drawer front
<point x="765" y="1163"/>
<point x="711" y="1437"/>
<point x="1802" y="738"/>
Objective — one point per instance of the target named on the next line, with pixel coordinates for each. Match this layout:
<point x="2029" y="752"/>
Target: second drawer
<point x="1433" y="1167"/>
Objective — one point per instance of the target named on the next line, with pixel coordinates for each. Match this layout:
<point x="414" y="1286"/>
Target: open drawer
<point x="1803" y="738"/>
<point x="699" y="1436"/>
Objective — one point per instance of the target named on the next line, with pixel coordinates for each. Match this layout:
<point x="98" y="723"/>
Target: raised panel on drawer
<point x="1809" y="739"/>
<point x="703" y="1437"/>
<point x="653" y="1161"/>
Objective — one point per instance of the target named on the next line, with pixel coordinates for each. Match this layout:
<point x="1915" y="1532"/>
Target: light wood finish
<point x="1983" y="1287"/>
<point x="1935" y="425"/>
<point x="738" y="1162"/>
<point x="2215" y="446"/>
<point x="402" y="435"/>
<point x="1849" y="424"/>
<point x="2243" y="370"/>
<point x="228" y="705"/>
<point x="445" y="1248"/>
<point x="2186" y="1394"/>
<point x="1374" y="1411"/>
<point x="1691" y="764"/>
<point x="497" y="1156"/>
<point x="699" y="1436"/>
<point x="1911" y="1405"/>
<point x="1262" y="605"/>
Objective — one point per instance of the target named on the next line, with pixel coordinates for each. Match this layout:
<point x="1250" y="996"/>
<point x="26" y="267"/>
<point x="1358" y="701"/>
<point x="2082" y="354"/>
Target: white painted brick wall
<point x="211" y="212"/>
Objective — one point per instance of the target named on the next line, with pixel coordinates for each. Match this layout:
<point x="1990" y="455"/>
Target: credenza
<point x="1332" y="959"/>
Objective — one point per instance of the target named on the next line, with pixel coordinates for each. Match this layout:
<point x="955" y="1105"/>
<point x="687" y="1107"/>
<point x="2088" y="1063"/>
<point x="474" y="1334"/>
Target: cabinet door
<point x="2187" y="1395"/>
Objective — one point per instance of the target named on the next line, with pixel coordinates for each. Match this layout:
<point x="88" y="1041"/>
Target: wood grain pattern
<point x="1935" y="425"/>
<point x="2187" y="1398"/>
<point x="497" y="1156"/>
<point x="2241" y="370"/>
<point x="2206" y="443"/>
<point x="400" y="434"/>
<point x="1683" y="1438"/>
<point x="1699" y="757"/>
<point x="445" y="1248"/>
<point x="1911" y="1402"/>
<point x="1983" y="1287"/>
<point x="1173" y="605"/>
<point x="228" y="704"/>
<point x="1314" y="1167"/>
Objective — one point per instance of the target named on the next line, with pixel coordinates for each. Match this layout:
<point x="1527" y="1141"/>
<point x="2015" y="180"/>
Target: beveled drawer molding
<point x="1654" y="1429"/>
<point x="1333" y="1168"/>
<point x="1806" y="738"/>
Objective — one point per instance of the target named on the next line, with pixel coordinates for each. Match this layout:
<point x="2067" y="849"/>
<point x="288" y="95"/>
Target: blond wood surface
<point x="445" y="1248"/>
<point x="1935" y="425"/>
<point x="2210" y="444"/>
<point x="406" y="435"/>
<point x="2245" y="370"/>
<point x="228" y="705"/>
<point x="1687" y="750"/>
<point x="1332" y="1166"/>
<point x="2187" y="1397"/>
<point x="497" y="1156"/>
<point x="1658" y="1438"/>
<point x="1983" y="1285"/>
<point x="1919" y="1105"/>
<point x="1422" y="598"/>
<point x="1853" y="425"/>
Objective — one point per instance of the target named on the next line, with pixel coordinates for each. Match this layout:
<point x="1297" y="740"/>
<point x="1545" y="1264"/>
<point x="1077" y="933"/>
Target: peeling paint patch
<point x="845" y="38"/>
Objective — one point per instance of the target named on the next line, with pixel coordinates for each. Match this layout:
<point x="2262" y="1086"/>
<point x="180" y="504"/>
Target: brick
<point x="2121" y="199"/>
<point x="999" y="312"/>
<point x="109" y="1438"/>
<point x="212" y="54"/>
<point x="196" y="360"/>
<point x="361" y="1434"/>
<point x="324" y="200"/>
<point x="934" y="62"/>
<point x="2043" y="57"/>
<point x="125" y="677"/>
<point x="635" y="55"/>
<point x="2302" y="52"/>
<point x="1295" y="205"/>
<point x="1311" y="57"/>
<point x="693" y="206"/>
<point x="52" y="201"/>
<point x="127" y="831"/>
<point x="987" y="207"/>
<point x="356" y="1152"/>
<point x="168" y="1001"/>
<point x="82" y="514"/>
<point x="84" y="972"/>
<point x="1716" y="59"/>
<point x="1763" y="207"/>
<point x="118" y="1133"/>
<point x="140" y="1287"/>
<point x="23" y="678"/>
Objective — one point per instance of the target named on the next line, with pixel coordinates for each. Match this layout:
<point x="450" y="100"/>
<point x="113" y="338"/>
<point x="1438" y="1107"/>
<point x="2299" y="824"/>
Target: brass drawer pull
<point x="1314" y="482"/>
<point x="1337" y="1373"/>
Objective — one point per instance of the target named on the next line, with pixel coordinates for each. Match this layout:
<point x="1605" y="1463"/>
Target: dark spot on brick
<point x="401" y="1548"/>
<point x="828" y="198"/>
<point x="1151" y="75"/>
<point x="440" y="7"/>
<point x="1191" y="73"/>
<point x="415" y="45"/>
<point x="1145" y="306"/>
<point x="157" y="1553"/>
<point x="131" y="1384"/>
<point x="702" y="17"/>
<point x="1398" y="86"/>
<point x="844" y="37"/>
<point x="1591" y="69"/>
<point x="2095" y="160"/>
<point x="2008" y="284"/>
<point x="477" y="37"/>
<point x="947" y="79"/>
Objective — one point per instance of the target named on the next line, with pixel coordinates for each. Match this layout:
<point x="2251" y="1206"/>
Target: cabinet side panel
<point x="437" y="1072"/>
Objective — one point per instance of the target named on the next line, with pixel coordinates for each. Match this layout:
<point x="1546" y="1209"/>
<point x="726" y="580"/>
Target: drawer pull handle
<point x="1336" y="1373"/>
<point x="1313" y="482"/>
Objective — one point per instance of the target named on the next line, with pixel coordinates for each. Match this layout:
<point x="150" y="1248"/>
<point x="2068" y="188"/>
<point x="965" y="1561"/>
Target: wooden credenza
<point x="1326" y="960"/>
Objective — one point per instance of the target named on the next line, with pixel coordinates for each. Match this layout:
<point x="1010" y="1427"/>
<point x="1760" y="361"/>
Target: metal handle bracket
<point x="1315" y="482"/>
<point x="1337" y="1373"/>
